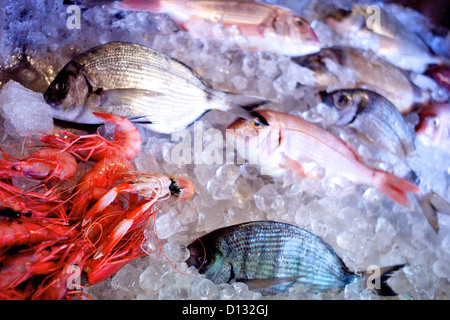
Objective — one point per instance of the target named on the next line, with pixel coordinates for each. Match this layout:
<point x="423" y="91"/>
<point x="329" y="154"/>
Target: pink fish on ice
<point x="291" y="143"/>
<point x="264" y="27"/>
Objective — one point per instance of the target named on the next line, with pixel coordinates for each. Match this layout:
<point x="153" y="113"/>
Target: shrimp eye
<point x="341" y="101"/>
<point x="299" y="22"/>
<point x="256" y="124"/>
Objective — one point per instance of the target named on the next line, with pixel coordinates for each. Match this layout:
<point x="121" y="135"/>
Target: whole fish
<point x="391" y="39"/>
<point x="434" y="125"/>
<point x="376" y="119"/>
<point x="133" y="81"/>
<point x="373" y="116"/>
<point x="265" y="27"/>
<point x="272" y="256"/>
<point x="291" y="143"/>
<point x="369" y="72"/>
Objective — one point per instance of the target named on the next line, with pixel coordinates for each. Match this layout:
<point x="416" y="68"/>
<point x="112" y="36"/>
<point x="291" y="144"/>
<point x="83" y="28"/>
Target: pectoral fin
<point x="291" y="164"/>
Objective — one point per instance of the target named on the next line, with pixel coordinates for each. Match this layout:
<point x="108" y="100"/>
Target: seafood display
<point x="235" y="150"/>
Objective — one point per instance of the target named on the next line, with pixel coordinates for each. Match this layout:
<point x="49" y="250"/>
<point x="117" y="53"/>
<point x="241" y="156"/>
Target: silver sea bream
<point x="272" y="256"/>
<point x="133" y="81"/>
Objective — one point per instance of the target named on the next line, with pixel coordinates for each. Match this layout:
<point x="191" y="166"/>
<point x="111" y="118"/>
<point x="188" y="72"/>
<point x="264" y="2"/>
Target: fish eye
<point x="256" y="124"/>
<point x="299" y="22"/>
<point x="341" y="101"/>
<point x="434" y="122"/>
<point x="60" y="86"/>
<point x="200" y="260"/>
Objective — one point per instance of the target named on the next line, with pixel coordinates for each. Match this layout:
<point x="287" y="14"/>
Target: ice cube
<point x="222" y="185"/>
<point x="24" y="111"/>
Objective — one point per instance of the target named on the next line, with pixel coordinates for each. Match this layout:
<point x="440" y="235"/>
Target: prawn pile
<point x="52" y="236"/>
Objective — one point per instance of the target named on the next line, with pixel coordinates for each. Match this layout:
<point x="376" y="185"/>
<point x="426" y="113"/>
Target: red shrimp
<point x="127" y="141"/>
<point x="45" y="164"/>
<point x="28" y="231"/>
<point x="96" y="183"/>
<point x="30" y="203"/>
<point x="98" y="270"/>
<point x="57" y="285"/>
<point x="38" y="260"/>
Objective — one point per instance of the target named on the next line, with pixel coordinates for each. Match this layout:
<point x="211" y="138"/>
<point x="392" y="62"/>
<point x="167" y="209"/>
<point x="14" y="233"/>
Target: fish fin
<point x="394" y="187"/>
<point x="246" y="101"/>
<point x="431" y="204"/>
<point x="429" y="212"/>
<point x="140" y="120"/>
<point x="439" y="203"/>
<point x="242" y="106"/>
<point x="381" y="287"/>
<point x="139" y="5"/>
<point x="254" y="284"/>
<point x="291" y="164"/>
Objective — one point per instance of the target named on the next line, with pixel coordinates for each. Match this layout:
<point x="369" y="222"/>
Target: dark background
<point x="438" y="11"/>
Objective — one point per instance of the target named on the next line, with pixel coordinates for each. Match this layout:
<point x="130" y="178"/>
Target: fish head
<point x="346" y="21"/>
<point x="346" y="104"/>
<point x="207" y="257"/>
<point x="256" y="141"/>
<point x="296" y="37"/>
<point x="68" y="93"/>
<point x="434" y="124"/>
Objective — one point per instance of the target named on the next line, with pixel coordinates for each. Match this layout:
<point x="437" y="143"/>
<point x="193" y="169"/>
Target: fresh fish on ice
<point x="368" y="72"/>
<point x="272" y="256"/>
<point x="394" y="42"/>
<point x="265" y="27"/>
<point x="144" y="85"/>
<point x="373" y="116"/>
<point x="291" y="143"/>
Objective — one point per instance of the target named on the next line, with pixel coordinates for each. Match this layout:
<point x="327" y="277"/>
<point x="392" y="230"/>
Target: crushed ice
<point x="362" y="225"/>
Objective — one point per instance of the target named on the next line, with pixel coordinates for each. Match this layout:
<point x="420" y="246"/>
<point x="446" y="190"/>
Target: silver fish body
<point x="368" y="72"/>
<point x="373" y="116"/>
<point x="390" y="38"/>
<point x="136" y="82"/>
<point x="270" y="256"/>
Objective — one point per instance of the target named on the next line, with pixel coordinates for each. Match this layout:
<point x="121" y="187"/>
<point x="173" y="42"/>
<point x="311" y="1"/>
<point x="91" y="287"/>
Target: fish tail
<point x="395" y="187"/>
<point x="378" y="280"/>
<point x="139" y="5"/>
<point x="431" y="204"/>
<point x="243" y="105"/>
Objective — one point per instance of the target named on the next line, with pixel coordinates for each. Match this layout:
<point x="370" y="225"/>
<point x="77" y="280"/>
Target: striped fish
<point x="139" y="83"/>
<point x="272" y="256"/>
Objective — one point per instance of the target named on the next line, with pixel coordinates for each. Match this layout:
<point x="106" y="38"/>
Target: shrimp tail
<point x="395" y="187"/>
